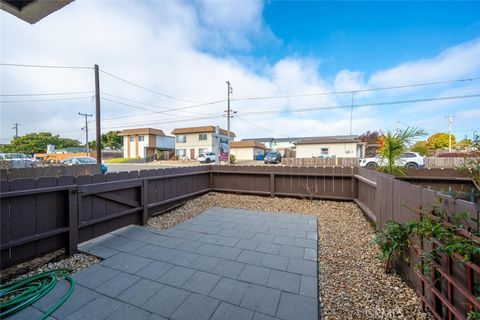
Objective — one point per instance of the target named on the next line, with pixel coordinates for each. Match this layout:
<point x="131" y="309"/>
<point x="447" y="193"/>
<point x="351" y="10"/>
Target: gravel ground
<point x="54" y="260"/>
<point x="352" y="282"/>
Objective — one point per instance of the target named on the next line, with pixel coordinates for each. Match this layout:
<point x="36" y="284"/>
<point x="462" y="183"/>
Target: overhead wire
<point x="44" y="94"/>
<point x="43" y="66"/>
<point x="265" y="112"/>
<point x="357" y="90"/>
<point x="148" y="89"/>
<point x="45" y="100"/>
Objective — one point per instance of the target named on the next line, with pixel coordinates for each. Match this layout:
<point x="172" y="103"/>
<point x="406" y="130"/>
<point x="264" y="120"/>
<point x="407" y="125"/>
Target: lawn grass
<point x="118" y="160"/>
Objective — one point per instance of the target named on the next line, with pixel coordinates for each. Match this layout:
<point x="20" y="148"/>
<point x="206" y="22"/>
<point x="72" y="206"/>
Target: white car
<point x="206" y="157"/>
<point x="408" y="159"/>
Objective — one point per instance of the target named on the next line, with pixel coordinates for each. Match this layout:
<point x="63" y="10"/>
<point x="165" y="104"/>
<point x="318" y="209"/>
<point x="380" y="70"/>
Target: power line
<point x="44" y="100"/>
<point x="142" y="103"/>
<point x="365" y="105"/>
<point x="147" y="89"/>
<point x="165" y="111"/>
<point x="267" y="112"/>
<point x="168" y="121"/>
<point x="43" y="94"/>
<point x="358" y="90"/>
<point x="43" y="66"/>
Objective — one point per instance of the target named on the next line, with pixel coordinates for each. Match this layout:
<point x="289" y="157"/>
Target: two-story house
<point x="143" y="142"/>
<point x="191" y="142"/>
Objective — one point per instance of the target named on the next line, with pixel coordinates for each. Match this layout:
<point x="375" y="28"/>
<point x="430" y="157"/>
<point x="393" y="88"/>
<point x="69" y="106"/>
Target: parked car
<point x="206" y="157"/>
<point x="82" y="161"/>
<point x="408" y="159"/>
<point x="17" y="160"/>
<point x="273" y="157"/>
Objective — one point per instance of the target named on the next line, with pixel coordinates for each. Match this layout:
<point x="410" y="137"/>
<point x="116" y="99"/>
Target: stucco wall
<point x="347" y="150"/>
<point x="193" y="142"/>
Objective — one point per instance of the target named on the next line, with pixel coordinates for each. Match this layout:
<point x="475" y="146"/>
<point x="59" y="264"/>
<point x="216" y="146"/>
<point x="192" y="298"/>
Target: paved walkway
<point x="223" y="264"/>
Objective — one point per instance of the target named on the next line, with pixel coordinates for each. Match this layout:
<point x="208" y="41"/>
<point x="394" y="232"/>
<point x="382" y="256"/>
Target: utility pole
<point x="97" y="114"/>
<point x="15" y="126"/>
<point x="229" y="91"/>
<point x="86" y="130"/>
<point x="450" y="120"/>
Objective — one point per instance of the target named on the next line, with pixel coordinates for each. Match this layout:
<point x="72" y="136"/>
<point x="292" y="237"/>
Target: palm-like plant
<point x="392" y="145"/>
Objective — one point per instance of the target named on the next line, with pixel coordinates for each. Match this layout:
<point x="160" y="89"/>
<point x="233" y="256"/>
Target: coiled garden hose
<point x="18" y="295"/>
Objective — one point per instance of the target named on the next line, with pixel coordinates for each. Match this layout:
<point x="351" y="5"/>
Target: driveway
<point x="223" y="264"/>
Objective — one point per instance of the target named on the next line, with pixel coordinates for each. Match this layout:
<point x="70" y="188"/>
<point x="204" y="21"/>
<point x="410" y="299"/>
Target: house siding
<point x="344" y="150"/>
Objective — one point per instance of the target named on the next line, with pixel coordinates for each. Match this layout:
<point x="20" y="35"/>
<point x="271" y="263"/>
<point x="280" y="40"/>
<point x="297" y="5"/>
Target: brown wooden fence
<point x="449" y="290"/>
<point x="50" y="213"/>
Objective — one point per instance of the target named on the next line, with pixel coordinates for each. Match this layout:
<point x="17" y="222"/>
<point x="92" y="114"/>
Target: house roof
<point x="203" y="129"/>
<point x="247" y="144"/>
<point x="128" y="132"/>
<point x="332" y="139"/>
<point x="32" y="11"/>
<point x="295" y="139"/>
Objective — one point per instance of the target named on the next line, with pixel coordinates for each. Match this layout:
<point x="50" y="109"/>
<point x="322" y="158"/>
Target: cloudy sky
<point x="280" y="57"/>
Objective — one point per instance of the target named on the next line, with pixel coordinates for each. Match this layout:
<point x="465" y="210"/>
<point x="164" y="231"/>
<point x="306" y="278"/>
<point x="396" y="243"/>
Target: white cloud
<point x="180" y="48"/>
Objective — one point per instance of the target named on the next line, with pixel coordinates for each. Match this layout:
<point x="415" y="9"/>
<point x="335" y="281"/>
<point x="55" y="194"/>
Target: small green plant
<point x="392" y="145"/>
<point x="393" y="241"/>
<point x="232" y="158"/>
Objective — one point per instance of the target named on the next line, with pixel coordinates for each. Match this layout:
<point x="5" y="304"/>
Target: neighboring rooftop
<point x="294" y="139"/>
<point x="32" y="11"/>
<point x="201" y="130"/>
<point x="128" y="132"/>
<point x="331" y="139"/>
<point x="247" y="144"/>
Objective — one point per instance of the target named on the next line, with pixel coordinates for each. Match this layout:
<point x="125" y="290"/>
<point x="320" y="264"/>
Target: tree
<point x="370" y="137"/>
<point x="111" y="139"/>
<point x="421" y="147"/>
<point x="392" y="145"/>
<point x="440" y="141"/>
<point x="37" y="143"/>
<point x="464" y="144"/>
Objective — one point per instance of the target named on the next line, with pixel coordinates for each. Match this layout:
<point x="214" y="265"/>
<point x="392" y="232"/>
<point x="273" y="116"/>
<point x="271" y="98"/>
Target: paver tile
<point x="140" y="292"/>
<point x="261" y="299"/>
<point x="166" y="301"/>
<point x="201" y="282"/>
<point x="196" y="307"/>
<point x="284" y="281"/>
<point x="294" y="307"/>
<point x="229" y="290"/>
<point x="155" y="270"/>
<point x="230" y="312"/>
<point x="176" y="276"/>
<point x="254" y="274"/>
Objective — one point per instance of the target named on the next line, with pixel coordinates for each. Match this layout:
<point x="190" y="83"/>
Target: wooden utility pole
<point x="86" y="130"/>
<point x="15" y="126"/>
<point x="97" y="115"/>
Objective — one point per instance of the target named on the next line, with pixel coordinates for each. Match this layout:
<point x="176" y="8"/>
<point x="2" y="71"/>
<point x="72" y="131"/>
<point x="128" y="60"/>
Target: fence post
<point x="272" y="184"/>
<point x="211" y="180"/>
<point x="144" y="198"/>
<point x="72" y="221"/>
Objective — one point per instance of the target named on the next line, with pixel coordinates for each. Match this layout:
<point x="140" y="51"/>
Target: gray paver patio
<point x="222" y="264"/>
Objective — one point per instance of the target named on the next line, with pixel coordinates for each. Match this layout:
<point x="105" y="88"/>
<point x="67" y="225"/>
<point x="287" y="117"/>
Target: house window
<point x="202" y="136"/>
<point x="180" y="152"/>
<point x="324" y="151"/>
<point x="132" y="138"/>
<point x="181" y="138"/>
<point x="141" y="138"/>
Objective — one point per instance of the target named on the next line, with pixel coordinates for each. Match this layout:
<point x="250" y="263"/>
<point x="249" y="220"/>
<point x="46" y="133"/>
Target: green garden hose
<point x="18" y="295"/>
